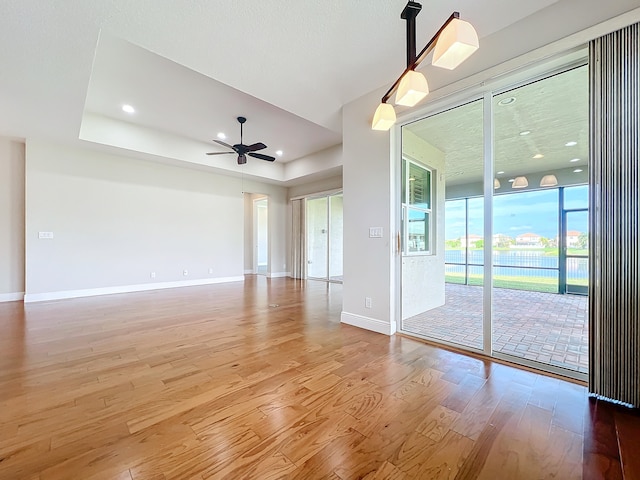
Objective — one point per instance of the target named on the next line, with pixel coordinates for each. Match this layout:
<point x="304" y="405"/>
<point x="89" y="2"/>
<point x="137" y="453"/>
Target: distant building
<point x="502" y="240"/>
<point x="573" y="238"/>
<point x="470" y="241"/>
<point x="529" y="240"/>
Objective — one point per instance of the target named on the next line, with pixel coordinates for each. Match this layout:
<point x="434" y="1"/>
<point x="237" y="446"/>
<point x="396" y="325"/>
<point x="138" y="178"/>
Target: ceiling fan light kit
<point x="243" y="150"/>
<point x="454" y="42"/>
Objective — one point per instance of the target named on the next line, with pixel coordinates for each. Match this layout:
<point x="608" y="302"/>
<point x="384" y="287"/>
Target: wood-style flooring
<point x="260" y="380"/>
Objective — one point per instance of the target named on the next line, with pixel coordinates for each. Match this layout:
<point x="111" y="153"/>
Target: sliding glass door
<point x="504" y="270"/>
<point x="442" y="243"/>
<point x="324" y="238"/>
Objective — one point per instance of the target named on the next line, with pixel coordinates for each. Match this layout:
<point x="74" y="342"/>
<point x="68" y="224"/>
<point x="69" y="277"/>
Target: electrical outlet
<point x="367" y="302"/>
<point x="185" y="272"/>
<point x="152" y="274"/>
<point x="210" y="271"/>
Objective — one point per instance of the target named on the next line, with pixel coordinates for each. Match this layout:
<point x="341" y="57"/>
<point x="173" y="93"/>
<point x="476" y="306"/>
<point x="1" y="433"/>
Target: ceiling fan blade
<point x="219" y="153"/>
<point x="262" y="157"/>
<point x="255" y="147"/>
<point x="224" y="144"/>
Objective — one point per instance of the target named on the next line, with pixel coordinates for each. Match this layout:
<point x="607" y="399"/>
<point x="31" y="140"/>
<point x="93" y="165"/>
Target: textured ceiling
<point x="555" y="111"/>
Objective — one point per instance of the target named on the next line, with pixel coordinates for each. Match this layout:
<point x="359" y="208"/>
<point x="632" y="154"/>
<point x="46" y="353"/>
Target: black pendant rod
<point x="409" y="14"/>
<point x="414" y="60"/>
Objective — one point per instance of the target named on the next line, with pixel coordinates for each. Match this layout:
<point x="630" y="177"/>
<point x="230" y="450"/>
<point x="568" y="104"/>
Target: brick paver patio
<point x="544" y="327"/>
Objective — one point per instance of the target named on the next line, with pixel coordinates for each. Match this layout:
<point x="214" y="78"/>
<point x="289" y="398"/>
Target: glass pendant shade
<point x="549" y="181"/>
<point x="455" y="44"/>
<point x="520" y="182"/>
<point x="496" y="183"/>
<point x="413" y="88"/>
<point x="384" y="118"/>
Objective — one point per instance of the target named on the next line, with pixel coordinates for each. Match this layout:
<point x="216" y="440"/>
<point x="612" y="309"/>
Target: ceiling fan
<point x="243" y="150"/>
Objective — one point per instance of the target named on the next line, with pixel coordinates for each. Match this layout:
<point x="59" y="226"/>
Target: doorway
<point x="261" y="236"/>
<point x="324" y="238"/>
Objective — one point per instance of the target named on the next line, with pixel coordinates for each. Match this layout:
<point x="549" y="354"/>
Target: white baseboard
<point x="11" y="297"/>
<point x="249" y="272"/>
<point x="368" y="323"/>
<point x="278" y="274"/>
<point x="90" y="292"/>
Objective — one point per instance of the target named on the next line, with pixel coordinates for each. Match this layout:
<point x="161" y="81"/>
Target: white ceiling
<point x="287" y="66"/>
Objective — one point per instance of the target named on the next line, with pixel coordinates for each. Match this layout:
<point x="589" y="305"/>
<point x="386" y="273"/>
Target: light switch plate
<point x="375" y="232"/>
<point x="45" y="235"/>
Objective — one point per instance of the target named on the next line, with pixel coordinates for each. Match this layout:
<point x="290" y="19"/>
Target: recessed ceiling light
<point x="574" y="160"/>
<point x="221" y="136"/>
<point x="506" y="101"/>
<point x="570" y="144"/>
<point x="279" y="152"/>
<point x="500" y="173"/>
<point x="577" y="170"/>
<point x="128" y="108"/>
<point x="511" y="180"/>
<point x="526" y="132"/>
<point x="538" y="155"/>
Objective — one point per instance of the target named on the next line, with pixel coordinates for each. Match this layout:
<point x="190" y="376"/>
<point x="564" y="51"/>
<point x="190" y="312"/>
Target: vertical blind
<point x="614" y="291"/>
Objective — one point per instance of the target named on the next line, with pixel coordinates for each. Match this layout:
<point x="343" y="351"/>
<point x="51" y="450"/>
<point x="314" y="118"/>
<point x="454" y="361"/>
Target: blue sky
<point x="514" y="214"/>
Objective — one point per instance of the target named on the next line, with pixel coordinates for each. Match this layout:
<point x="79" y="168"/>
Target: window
<point x="416" y="208"/>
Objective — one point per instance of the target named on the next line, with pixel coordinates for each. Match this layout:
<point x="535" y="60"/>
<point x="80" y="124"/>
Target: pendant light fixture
<point x="496" y="183"/>
<point x="454" y="42"/>
<point x="413" y="88"/>
<point x="520" y="182"/>
<point x="549" y="181"/>
<point x="384" y="118"/>
<point x="457" y="42"/>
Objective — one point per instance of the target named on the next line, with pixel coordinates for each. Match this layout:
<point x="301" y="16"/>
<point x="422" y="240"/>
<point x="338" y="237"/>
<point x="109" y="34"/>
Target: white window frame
<point x="406" y="207"/>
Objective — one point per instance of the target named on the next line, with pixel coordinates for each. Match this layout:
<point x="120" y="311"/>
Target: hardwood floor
<point x="262" y="381"/>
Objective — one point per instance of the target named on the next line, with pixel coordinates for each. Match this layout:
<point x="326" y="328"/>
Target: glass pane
<point x="577" y="242"/>
<point x="436" y="301"/>
<point x="454" y="231"/>
<point x="474" y="242"/>
<point x="576" y="197"/>
<point x="419" y="186"/>
<point x="335" y="252"/>
<point x="577" y="233"/>
<point x="578" y="272"/>
<point x="541" y="144"/>
<point x="417" y="231"/>
<point x="317" y="237"/>
<point x="454" y="273"/>
<point x="404" y="181"/>
<point x="530" y="279"/>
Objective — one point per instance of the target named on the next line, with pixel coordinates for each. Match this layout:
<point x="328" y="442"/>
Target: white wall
<point x="368" y="262"/>
<point x="11" y="219"/>
<point x="316" y="163"/>
<point x="323" y="185"/>
<point x="117" y="219"/>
